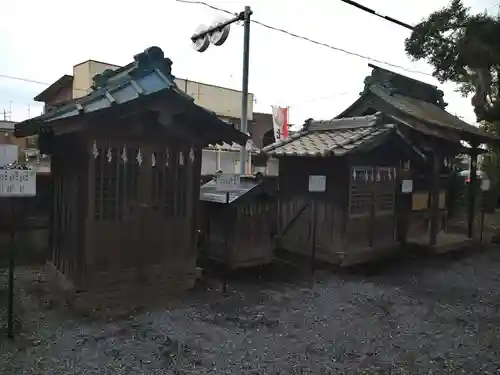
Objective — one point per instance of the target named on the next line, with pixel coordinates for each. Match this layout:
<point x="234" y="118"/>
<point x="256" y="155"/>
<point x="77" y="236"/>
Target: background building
<point x="225" y="102"/>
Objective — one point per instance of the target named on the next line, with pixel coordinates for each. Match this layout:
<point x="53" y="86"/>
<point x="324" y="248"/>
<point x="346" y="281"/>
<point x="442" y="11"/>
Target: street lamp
<point x="217" y="35"/>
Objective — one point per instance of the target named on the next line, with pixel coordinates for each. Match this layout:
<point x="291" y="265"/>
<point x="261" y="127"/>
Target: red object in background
<point x="284" y="127"/>
<point x="468" y="180"/>
<point x="280" y="123"/>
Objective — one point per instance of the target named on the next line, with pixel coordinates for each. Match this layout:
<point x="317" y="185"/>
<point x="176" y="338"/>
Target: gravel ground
<point x="424" y="316"/>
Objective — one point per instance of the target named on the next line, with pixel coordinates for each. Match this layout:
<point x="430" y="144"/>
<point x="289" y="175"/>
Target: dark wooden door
<point x="360" y="210"/>
<point x="371" y="206"/>
<point x="384" y="194"/>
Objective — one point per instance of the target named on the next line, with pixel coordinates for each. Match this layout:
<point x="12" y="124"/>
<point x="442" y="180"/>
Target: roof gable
<point x="419" y="101"/>
<point x="406" y="86"/>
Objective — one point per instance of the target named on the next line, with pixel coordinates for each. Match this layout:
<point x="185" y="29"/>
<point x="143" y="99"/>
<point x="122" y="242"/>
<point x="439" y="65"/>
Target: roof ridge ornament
<point x="396" y="83"/>
<point x="144" y="63"/>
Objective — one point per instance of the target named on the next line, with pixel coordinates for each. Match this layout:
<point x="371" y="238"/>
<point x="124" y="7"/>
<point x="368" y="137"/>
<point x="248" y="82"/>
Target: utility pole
<point x="217" y="35"/>
<point x="244" y="94"/>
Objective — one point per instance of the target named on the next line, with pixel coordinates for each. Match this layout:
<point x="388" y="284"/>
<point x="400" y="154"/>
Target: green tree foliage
<point x="465" y="49"/>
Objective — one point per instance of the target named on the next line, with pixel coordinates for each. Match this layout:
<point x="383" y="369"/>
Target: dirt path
<point x="434" y="316"/>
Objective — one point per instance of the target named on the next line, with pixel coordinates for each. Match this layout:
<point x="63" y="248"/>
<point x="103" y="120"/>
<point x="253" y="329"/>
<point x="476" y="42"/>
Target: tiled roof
<point x="119" y="93"/>
<point x="148" y="76"/>
<point x="423" y="103"/>
<point x="327" y="138"/>
<point x="427" y="112"/>
<point x="346" y="122"/>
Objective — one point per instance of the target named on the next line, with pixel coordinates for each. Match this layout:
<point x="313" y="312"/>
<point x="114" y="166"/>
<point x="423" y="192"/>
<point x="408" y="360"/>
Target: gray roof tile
<point x="427" y="112"/>
<point x="333" y="137"/>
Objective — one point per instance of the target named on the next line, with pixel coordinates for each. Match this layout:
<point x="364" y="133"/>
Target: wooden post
<point x="371" y="222"/>
<point x="403" y="205"/>
<point x="279" y="212"/>
<point x="226" y="245"/>
<point x="471" y="191"/>
<point x="434" y="209"/>
<point x="313" y="234"/>
<point x="12" y="235"/>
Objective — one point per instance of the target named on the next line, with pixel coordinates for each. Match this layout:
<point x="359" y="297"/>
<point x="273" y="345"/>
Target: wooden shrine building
<point x="239" y="226"/>
<point x="415" y="111"/>
<point x="126" y="164"/>
<point x="355" y="215"/>
<point x="420" y="114"/>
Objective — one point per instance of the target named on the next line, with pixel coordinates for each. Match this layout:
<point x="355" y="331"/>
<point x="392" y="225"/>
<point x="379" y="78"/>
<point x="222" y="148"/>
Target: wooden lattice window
<point x="157" y="176"/>
<point x="169" y="186"/>
<point x="384" y="189"/>
<point x="109" y="185"/>
<point x="130" y="174"/>
<point x="182" y="183"/>
<point x="98" y="183"/>
<point x="361" y="190"/>
<point x="115" y="182"/>
<point x="163" y="186"/>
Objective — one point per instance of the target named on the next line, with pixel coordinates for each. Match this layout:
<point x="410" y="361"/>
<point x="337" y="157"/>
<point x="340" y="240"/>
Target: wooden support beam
<point x="437" y="162"/>
<point x="403" y="204"/>
<point x="471" y="193"/>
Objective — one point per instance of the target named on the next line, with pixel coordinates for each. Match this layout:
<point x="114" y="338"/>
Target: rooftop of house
<point x="63" y="82"/>
<point x="7" y="125"/>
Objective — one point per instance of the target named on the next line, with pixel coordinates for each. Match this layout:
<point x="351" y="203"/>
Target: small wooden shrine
<point x="355" y="215"/>
<point x="420" y="115"/>
<point x="126" y="164"/>
<point x="239" y="231"/>
<point x="377" y="210"/>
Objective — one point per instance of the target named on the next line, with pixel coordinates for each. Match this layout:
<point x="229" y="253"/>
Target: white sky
<point x="42" y="40"/>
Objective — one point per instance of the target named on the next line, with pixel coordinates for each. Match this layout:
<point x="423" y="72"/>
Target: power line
<point x="28" y="80"/>
<point x="208" y="5"/>
<point x="289" y="33"/>
<point x="24" y="79"/>
<point x="371" y="11"/>
<point x="319" y="99"/>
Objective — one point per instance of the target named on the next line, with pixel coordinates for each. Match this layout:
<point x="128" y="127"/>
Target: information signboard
<point x="227" y="182"/>
<point x="17" y="183"/>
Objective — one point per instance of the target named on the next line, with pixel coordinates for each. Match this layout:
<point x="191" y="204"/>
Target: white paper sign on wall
<point x="17" y="183"/>
<point x="407" y="186"/>
<point x="317" y="184"/>
<point x="485" y="185"/>
<point x="227" y="182"/>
